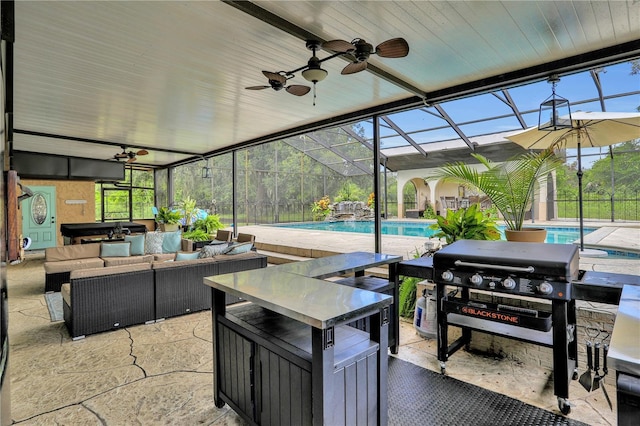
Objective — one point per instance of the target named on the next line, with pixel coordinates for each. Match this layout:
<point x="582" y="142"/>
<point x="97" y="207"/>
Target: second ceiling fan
<point x="131" y="156"/>
<point x="360" y="51"/>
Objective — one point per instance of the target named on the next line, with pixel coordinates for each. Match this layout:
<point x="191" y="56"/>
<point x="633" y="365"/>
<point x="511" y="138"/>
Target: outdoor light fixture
<point x="556" y="108"/>
<point x="314" y="73"/>
<point x="206" y="171"/>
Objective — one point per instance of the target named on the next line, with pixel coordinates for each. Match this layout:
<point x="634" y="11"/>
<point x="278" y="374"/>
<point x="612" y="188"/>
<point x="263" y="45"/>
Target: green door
<point x="39" y="217"/>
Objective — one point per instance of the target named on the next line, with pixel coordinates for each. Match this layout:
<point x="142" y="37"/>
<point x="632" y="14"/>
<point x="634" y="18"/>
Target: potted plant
<point x="209" y="224"/>
<point x="466" y="224"/>
<point x="510" y="186"/>
<point x="169" y="220"/>
<point x="202" y="231"/>
<point x="188" y="207"/>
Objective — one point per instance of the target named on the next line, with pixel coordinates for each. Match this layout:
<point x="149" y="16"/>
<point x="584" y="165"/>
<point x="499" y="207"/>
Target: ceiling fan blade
<point x="275" y="76"/>
<point x="394" y="48"/>
<point x="298" y="89"/>
<point x="142" y="152"/>
<point x="338" y="46"/>
<point x="258" y="87"/>
<point x="354" y="67"/>
<point x="131" y="160"/>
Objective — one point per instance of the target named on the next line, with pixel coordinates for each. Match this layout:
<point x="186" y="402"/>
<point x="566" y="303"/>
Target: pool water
<point x="556" y="235"/>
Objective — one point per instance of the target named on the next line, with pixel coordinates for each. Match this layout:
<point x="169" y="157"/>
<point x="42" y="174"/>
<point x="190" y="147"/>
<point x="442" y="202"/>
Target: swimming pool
<point x="555" y="234"/>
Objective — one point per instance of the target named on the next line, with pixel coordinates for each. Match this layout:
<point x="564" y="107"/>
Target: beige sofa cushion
<point x="111" y="270"/>
<point x="214" y="259"/>
<point x="165" y="264"/>
<point x="127" y="260"/>
<point x="71" y="265"/>
<point x="72" y="252"/>
<point x="163" y="257"/>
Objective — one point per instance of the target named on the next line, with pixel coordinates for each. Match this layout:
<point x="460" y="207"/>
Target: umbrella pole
<point x="580" y="194"/>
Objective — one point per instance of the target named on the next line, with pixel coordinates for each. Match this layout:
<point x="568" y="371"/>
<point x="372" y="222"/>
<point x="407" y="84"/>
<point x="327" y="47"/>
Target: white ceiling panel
<point x="171" y="76"/>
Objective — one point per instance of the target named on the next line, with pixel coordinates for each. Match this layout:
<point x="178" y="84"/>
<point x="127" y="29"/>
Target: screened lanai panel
<point x="425" y="137"/>
<point x="336" y="149"/>
<point x="476" y="108"/>
<point x="490" y="125"/>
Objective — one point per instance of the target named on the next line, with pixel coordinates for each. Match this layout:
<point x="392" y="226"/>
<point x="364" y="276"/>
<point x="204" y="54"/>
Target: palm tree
<point x="509" y="185"/>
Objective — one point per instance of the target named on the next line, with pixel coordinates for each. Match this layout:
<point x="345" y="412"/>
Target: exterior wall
<point x="68" y="213"/>
<point x="436" y="189"/>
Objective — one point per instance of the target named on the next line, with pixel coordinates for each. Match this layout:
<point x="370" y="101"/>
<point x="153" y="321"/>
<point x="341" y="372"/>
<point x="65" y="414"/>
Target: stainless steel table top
<point x="324" y="267"/>
<point x="320" y="304"/>
<point x="624" y="351"/>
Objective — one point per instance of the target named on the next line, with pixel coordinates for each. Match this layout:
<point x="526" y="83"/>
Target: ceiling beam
<point x="99" y="142"/>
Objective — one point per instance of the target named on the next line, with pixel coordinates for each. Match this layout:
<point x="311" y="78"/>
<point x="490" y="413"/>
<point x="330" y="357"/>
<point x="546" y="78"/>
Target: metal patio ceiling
<point x="170" y="76"/>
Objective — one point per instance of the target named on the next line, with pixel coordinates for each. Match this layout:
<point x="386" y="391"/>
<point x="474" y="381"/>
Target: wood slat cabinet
<point x="266" y="370"/>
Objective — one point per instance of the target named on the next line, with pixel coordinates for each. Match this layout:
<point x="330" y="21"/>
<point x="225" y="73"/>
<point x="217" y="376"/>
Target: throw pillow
<point x="115" y="249"/>
<point x="187" y="256"/>
<point x="172" y="242"/>
<point x="239" y="248"/>
<point x="212" y="250"/>
<point x="137" y="244"/>
<point x="214" y="242"/>
<point x="153" y="242"/>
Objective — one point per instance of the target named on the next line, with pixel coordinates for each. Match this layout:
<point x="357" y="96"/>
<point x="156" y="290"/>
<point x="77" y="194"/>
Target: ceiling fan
<point x="360" y="51"/>
<point x="357" y="50"/>
<point x="131" y="156"/>
<point x="277" y="82"/>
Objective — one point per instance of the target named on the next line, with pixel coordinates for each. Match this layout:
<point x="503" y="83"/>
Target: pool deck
<point x="618" y="236"/>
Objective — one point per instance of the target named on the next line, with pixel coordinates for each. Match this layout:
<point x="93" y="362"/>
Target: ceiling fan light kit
<point x="357" y="50"/>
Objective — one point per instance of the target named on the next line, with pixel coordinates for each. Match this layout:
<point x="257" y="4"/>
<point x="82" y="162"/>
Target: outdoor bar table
<point x="299" y="322"/>
<point x="356" y="263"/>
<point x="330" y="266"/>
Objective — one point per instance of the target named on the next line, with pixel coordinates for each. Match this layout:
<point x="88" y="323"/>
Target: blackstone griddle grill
<point x="531" y="270"/>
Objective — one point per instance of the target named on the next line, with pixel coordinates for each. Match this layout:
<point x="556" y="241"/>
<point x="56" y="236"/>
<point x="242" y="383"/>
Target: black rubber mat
<point x="418" y="396"/>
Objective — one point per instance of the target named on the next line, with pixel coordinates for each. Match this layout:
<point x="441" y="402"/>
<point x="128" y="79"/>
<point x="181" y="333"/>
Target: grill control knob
<point x="447" y="276"/>
<point x="509" y="283"/>
<point x="545" y="288"/>
<point x="475" y="279"/>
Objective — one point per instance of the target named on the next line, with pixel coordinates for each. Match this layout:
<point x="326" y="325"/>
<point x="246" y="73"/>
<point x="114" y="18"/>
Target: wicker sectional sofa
<point x="111" y="297"/>
<point x="101" y="299"/>
<point x="179" y="286"/>
<point x="61" y="261"/>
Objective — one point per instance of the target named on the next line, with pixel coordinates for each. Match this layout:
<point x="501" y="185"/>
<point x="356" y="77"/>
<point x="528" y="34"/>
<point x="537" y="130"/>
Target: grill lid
<point x="557" y="261"/>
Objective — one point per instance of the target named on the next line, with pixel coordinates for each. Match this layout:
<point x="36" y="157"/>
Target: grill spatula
<point x="585" y="378"/>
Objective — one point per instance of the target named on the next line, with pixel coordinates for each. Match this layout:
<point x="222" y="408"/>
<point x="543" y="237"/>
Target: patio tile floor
<point x="162" y="374"/>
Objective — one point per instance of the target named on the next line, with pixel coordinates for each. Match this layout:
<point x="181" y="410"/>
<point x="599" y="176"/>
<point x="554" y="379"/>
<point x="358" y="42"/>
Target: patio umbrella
<point x="590" y="129"/>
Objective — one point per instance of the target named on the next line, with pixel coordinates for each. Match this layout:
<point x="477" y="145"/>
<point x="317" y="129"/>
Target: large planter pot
<point x="526" y="235"/>
<point x="169" y="227"/>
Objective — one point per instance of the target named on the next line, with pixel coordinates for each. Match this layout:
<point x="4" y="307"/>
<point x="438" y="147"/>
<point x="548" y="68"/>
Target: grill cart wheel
<point x="564" y="406"/>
